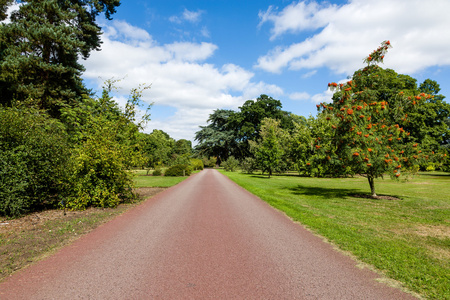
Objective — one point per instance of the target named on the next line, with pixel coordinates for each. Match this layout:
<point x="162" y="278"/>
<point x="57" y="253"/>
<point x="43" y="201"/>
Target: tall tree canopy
<point x="229" y="132"/>
<point x="217" y="138"/>
<point x="40" y="49"/>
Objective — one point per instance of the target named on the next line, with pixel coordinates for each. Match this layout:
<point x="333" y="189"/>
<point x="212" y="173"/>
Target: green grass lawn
<point x="141" y="180"/>
<point x="407" y="239"/>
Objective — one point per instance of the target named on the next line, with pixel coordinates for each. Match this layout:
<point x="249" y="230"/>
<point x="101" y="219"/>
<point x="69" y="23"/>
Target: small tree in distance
<point x="368" y="137"/>
<point x="268" y="149"/>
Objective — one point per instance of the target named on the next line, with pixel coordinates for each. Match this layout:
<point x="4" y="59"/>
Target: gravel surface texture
<point x="205" y="238"/>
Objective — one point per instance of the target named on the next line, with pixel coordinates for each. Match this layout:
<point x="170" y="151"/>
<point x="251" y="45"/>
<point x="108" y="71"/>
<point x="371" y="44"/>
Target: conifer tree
<point x="41" y="47"/>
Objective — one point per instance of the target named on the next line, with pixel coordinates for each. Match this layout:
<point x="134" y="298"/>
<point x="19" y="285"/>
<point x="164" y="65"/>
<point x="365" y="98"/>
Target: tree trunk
<point x="372" y="186"/>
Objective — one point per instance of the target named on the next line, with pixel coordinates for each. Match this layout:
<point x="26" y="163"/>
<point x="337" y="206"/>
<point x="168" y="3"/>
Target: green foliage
<point x="83" y="162"/>
<point x="33" y="158"/>
<point x="107" y="144"/>
<point x="249" y="165"/>
<point x="209" y="162"/>
<point x="158" y="148"/>
<point x="40" y="50"/>
<point x="183" y="147"/>
<point x="196" y="164"/>
<point x="216" y="139"/>
<point x="157" y="172"/>
<point x="179" y="170"/>
<point x="229" y="132"/>
<point x="231" y="164"/>
<point x="270" y="148"/>
<point x="431" y="120"/>
<point x="98" y="175"/>
<point x="301" y="141"/>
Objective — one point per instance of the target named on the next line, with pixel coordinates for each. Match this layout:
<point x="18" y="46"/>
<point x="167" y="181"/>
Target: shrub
<point x="179" y="170"/>
<point x="430" y="167"/>
<point x="209" y="162"/>
<point x="180" y="160"/>
<point x="157" y="172"/>
<point x="98" y="174"/>
<point x="196" y="164"/>
<point x="33" y="158"/>
<point x="231" y="164"/>
<point x="248" y="165"/>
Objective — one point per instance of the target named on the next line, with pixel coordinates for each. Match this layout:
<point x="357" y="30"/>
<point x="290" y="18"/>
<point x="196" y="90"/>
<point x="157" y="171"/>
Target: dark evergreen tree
<point x="40" y="49"/>
<point x="216" y="139"/>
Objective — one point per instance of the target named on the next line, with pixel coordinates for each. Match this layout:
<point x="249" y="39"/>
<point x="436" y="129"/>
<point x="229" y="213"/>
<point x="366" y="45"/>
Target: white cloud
<point x="348" y="33"/>
<point x="205" y="32"/>
<point x="322" y="97"/>
<point x="184" y="51"/>
<point x="124" y="31"/>
<point x="297" y="17"/>
<point x="179" y="75"/>
<point x="192" y="16"/>
<point x="183" y="124"/>
<point x="300" y="96"/>
<point x="187" y="15"/>
<point x="309" y="74"/>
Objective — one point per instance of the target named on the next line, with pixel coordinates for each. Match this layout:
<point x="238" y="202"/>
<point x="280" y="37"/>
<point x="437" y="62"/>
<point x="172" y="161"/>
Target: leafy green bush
<point x="248" y="165"/>
<point x="430" y="167"/>
<point x="209" y="162"/>
<point x="33" y="157"/>
<point x="157" y="172"/>
<point x="196" y="164"/>
<point x="179" y="170"/>
<point x="98" y="174"/>
<point x="231" y="164"/>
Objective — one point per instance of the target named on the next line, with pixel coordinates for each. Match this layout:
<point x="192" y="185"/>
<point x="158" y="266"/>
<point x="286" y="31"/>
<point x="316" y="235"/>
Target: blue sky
<point x="204" y="55"/>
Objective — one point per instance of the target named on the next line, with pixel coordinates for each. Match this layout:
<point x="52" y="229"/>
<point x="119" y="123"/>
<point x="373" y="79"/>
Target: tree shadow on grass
<point x="323" y="192"/>
<point x="435" y="174"/>
<point x="328" y="193"/>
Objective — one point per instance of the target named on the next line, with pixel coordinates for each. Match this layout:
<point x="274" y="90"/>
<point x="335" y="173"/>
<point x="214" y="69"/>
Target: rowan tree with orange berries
<point x="368" y="135"/>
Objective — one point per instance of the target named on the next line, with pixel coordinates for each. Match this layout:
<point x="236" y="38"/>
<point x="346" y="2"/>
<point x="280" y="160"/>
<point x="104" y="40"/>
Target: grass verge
<point x="28" y="239"/>
<point x="156" y="181"/>
<point x="406" y="239"/>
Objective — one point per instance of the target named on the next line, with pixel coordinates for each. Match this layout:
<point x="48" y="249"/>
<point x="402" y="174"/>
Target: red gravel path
<point x="205" y="238"/>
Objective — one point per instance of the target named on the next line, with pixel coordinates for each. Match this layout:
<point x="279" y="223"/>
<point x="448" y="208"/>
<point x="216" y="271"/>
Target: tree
<point x="106" y="144"/>
<point x="247" y="122"/>
<point x="301" y="143"/>
<point x="40" y="50"/>
<point x="216" y="139"/>
<point x="158" y="148"/>
<point x="229" y="132"/>
<point x="269" y="148"/>
<point x="430" y="120"/>
<point x="34" y="157"/>
<point x="368" y="122"/>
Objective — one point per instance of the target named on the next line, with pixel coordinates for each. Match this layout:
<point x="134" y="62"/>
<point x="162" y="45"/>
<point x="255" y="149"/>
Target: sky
<point x="202" y="55"/>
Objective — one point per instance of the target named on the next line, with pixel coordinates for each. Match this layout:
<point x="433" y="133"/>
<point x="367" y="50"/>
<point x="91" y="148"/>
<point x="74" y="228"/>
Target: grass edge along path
<point x="38" y="235"/>
<point x="407" y="240"/>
